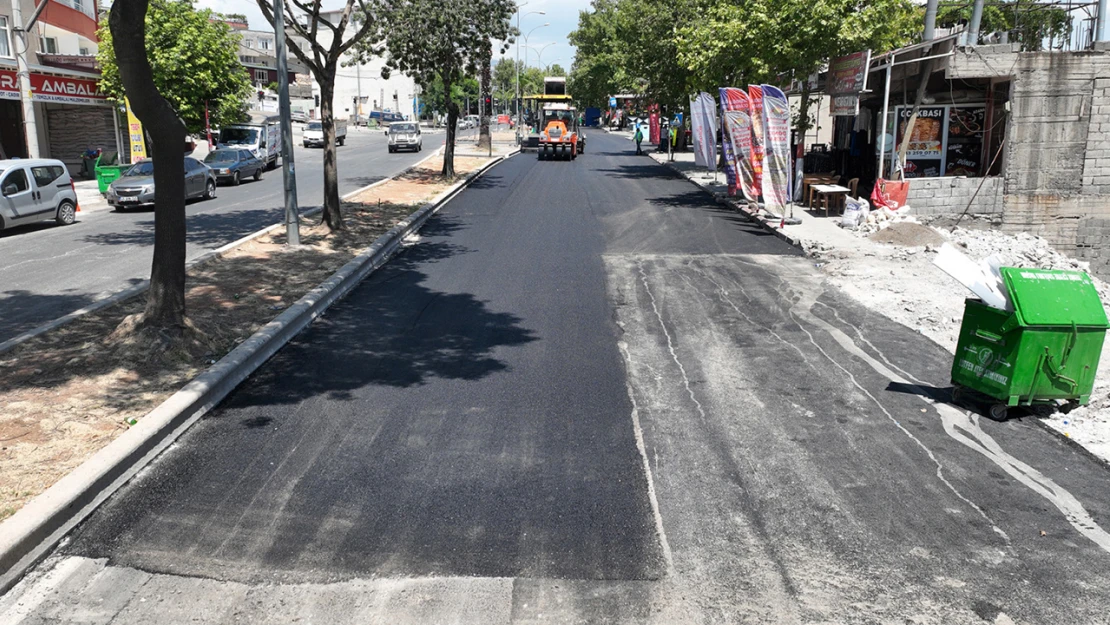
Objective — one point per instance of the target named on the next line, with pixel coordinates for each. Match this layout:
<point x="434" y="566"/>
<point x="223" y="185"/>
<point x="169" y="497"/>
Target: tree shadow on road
<point x="391" y="331"/>
<point x="641" y="172"/>
<point x="22" y="310"/>
<point x="205" y="229"/>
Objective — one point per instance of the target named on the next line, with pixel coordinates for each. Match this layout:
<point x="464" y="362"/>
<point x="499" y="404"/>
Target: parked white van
<point x="261" y="137"/>
<point x="32" y="190"/>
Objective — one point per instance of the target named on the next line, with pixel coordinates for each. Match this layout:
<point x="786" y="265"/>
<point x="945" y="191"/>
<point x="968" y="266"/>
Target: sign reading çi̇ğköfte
<point x="847" y="78"/>
<point x="47" y="88"/>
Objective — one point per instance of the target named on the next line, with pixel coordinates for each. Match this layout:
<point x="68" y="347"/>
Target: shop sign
<point x="847" y="78"/>
<point x="135" y="135"/>
<point x="755" y="96"/>
<point x="58" y="89"/>
<point x="945" y="141"/>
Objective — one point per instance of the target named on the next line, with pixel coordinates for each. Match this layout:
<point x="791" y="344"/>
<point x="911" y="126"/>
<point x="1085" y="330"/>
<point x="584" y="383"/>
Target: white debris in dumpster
<point x="982" y="278"/>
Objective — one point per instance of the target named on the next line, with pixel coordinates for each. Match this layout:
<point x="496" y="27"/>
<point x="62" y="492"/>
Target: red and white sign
<point x="47" y="88"/>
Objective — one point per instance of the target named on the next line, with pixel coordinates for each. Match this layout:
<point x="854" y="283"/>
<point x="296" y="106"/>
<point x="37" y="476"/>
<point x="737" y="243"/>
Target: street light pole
<point x="288" y="170"/>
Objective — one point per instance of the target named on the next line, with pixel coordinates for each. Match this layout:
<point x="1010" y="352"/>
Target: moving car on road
<point x="136" y="187"/>
<point x="32" y="190"/>
<point x="313" y="134"/>
<point x="262" y="136"/>
<point x="234" y="165"/>
<point x="405" y="136"/>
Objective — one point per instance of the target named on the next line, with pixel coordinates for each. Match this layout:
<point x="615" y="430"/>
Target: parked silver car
<point x="136" y="187"/>
<point x="32" y="190"/>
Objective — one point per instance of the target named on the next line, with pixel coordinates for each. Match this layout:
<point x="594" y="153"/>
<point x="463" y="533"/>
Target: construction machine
<point x="560" y="137"/>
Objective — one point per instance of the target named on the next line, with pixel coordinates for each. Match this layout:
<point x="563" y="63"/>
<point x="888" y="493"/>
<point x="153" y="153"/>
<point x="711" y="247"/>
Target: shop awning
<point x="53" y="85"/>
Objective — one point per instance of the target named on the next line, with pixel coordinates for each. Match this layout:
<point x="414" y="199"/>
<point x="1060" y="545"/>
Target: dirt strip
<point x="68" y="393"/>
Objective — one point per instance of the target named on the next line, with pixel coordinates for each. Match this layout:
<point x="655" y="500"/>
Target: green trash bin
<point x="106" y="174"/>
<point x="1046" y="350"/>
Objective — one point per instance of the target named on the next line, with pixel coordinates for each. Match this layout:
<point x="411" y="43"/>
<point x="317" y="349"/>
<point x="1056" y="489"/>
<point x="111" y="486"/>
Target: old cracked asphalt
<point x="588" y="394"/>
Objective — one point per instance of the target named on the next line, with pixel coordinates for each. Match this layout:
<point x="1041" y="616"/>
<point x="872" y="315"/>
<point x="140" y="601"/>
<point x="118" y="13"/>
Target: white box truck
<point x="313" y="134"/>
<point x="261" y="135"/>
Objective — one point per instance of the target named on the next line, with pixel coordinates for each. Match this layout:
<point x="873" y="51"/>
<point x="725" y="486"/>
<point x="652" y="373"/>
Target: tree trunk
<point x="452" y="119"/>
<point x="483" y="134"/>
<point x="165" y="306"/>
<point x="333" y="215"/>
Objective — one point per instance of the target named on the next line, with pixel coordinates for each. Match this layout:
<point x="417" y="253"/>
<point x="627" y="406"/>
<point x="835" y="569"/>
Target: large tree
<point x="320" y="40"/>
<point x="193" y="61"/>
<point x="1030" y="22"/>
<point x="444" y="38"/>
<point x="165" y="307"/>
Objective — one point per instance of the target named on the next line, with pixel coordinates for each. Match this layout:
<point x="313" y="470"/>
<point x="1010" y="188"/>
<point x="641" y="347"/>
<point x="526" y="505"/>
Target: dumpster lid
<point x="1053" y="297"/>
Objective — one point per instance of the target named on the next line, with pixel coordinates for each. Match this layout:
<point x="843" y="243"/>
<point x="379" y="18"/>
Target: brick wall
<point x="946" y="196"/>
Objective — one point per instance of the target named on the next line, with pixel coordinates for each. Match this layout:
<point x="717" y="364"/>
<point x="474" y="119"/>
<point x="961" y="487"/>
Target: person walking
<point x="638" y="137"/>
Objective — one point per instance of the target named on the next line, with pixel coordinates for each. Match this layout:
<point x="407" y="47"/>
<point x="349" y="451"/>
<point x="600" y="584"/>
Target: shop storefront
<point x="71" y="115"/>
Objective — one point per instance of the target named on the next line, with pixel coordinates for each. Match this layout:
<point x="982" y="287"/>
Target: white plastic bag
<point x="855" y="213"/>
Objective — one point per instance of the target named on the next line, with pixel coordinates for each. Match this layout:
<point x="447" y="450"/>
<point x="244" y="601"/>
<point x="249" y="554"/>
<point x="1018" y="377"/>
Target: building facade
<point x="71" y="115"/>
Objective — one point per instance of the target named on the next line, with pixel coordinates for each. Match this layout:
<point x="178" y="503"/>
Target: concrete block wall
<point x="1056" y="165"/>
<point x="947" y="196"/>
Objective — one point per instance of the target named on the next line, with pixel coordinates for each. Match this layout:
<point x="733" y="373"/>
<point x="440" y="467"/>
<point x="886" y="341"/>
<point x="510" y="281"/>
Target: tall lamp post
<point x="288" y="169"/>
<point x="539" y="54"/>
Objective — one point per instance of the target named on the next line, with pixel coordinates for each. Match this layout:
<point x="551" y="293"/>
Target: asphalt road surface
<point x="588" y="394"/>
<point x="48" y="271"/>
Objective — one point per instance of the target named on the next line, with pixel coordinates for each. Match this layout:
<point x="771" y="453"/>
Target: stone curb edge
<point x="136" y="289"/>
<point x="32" y="532"/>
<point x="736" y="206"/>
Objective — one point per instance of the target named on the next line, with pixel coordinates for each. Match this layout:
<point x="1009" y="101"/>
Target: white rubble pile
<point x="864" y="220"/>
<point x="903" y="284"/>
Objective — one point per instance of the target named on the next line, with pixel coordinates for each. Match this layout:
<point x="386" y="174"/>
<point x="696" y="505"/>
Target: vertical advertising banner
<point x="756" y="96"/>
<point x="135" y="134"/>
<point x="728" y="152"/>
<point x="737" y="123"/>
<point x="704" y="126"/>
<point x="776" y="160"/>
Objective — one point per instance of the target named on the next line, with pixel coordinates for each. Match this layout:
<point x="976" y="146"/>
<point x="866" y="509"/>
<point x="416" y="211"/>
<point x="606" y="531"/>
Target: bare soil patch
<point x="68" y="393"/>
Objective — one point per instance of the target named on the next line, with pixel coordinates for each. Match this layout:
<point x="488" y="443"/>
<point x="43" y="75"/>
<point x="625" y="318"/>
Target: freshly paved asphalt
<point x="49" y="271"/>
<point x="589" y="394"/>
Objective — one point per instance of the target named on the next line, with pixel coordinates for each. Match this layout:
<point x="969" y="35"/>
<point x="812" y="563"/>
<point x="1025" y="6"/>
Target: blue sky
<point x="548" y="43"/>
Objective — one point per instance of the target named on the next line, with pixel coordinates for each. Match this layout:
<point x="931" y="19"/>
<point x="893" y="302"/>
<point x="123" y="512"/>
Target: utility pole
<point x="288" y="171"/>
<point x="23" y="74"/>
<point x="931" y="20"/>
<point x="1102" y="26"/>
<point x="976" y="21"/>
<point x="358" y="81"/>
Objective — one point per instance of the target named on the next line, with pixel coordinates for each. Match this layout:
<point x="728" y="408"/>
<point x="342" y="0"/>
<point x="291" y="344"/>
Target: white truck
<point x="313" y="134"/>
<point x="261" y="135"/>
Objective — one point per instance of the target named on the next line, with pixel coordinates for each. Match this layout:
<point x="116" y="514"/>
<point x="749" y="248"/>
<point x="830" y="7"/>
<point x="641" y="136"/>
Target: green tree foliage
<point x="444" y="38"/>
<point x="194" y="59"/>
<point x="555" y="70"/>
<point x="599" y="69"/>
<point x="1031" y="23"/>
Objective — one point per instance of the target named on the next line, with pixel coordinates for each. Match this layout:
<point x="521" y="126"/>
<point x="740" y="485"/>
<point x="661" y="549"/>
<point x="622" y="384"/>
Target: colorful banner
<point x="776" y="160"/>
<point x="755" y="94"/>
<point x="737" y="121"/>
<point x="704" y="130"/>
<point x="728" y="154"/>
<point x="135" y="135"/>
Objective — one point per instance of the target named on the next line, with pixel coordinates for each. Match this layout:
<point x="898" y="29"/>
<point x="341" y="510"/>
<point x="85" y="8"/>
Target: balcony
<point x="85" y="6"/>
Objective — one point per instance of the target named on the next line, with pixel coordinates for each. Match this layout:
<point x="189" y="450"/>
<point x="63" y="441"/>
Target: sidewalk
<point x="891" y="271"/>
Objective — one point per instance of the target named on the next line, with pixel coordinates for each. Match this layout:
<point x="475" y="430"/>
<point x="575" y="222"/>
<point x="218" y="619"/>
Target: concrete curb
<point x="107" y="300"/>
<point x="30" y="534"/>
<point x="736" y="206"/>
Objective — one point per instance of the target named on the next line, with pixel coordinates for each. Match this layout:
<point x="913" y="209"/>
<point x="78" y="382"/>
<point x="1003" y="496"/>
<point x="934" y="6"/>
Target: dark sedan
<point x="232" y="165"/>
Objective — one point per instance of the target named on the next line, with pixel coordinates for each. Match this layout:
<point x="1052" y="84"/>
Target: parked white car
<point x="33" y="190"/>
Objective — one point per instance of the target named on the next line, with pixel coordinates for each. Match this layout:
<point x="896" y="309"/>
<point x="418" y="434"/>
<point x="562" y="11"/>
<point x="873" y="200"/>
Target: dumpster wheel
<point x="998" y="412"/>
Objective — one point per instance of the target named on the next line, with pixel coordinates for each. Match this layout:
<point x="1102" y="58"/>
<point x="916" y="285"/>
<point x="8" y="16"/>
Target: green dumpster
<point x="105" y="174"/>
<point x="1046" y="350"/>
